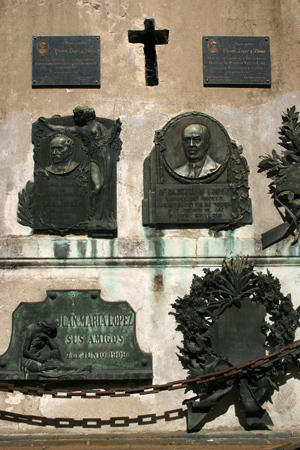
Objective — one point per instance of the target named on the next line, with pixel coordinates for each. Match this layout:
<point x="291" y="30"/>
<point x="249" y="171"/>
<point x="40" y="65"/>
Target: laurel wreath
<point x="212" y="294"/>
<point x="282" y="169"/>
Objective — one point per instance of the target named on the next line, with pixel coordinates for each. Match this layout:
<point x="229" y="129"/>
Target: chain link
<point x="215" y="377"/>
<point x="113" y="422"/>
<point x="124" y="421"/>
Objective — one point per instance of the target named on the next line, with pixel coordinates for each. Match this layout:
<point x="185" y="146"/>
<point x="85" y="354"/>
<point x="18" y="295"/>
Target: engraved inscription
<point x="198" y="203"/>
<point x="96" y="355"/>
<point x="96" y="336"/>
<point x="66" y="61"/>
<point x="236" y="60"/>
<point x="75" y="335"/>
<point x="60" y="201"/>
<point x="96" y="320"/>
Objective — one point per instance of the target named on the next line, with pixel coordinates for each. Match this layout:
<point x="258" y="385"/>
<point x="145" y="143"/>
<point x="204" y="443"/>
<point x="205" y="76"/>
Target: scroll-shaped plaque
<point x="74" y="335"/>
<point x="195" y="176"/>
<point x="74" y="187"/>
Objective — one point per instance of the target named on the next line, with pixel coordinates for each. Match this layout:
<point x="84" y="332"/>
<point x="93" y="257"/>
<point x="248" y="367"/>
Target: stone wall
<point x="146" y="267"/>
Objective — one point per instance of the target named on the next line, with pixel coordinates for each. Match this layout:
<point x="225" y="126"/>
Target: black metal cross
<point x="150" y="38"/>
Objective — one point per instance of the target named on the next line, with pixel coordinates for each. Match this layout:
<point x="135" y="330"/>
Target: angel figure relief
<point x="96" y="139"/>
<point x="74" y="185"/>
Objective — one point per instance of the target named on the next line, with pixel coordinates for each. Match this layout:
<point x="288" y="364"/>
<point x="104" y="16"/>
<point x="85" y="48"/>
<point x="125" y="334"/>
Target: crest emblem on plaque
<point x="43" y="47"/>
<point x="196" y="176"/>
<point x="74" y="188"/>
<point x="214" y="46"/>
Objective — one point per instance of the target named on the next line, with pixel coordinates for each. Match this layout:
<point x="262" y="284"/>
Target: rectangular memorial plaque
<point x="190" y="204"/>
<point x="75" y="180"/>
<point x="74" y="335"/>
<point x="195" y="176"/>
<point x="236" y="61"/>
<point x="66" y="61"/>
<point x="60" y="201"/>
<point x="237" y="335"/>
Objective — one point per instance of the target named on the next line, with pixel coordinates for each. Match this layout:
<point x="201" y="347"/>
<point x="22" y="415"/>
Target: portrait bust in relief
<point x="196" y="147"/>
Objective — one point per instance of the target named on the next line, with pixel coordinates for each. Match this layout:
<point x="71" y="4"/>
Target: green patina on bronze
<point x="74" y="335"/>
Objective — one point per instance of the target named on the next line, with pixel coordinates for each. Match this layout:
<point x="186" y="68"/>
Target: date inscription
<point x="195" y="204"/>
<point x="96" y="336"/>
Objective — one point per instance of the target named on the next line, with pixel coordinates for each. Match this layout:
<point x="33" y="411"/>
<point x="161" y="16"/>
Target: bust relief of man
<point x="61" y="152"/>
<point x="196" y="141"/>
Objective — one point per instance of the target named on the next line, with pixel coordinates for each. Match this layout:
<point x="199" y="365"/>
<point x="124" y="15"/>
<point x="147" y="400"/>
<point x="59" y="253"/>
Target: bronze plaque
<point x="74" y="335"/>
<point x="237" y="324"/>
<point x="236" y="61"/>
<point x="66" y="61"/>
<point x="61" y="201"/>
<point x="205" y="204"/>
<point x="74" y="187"/>
<point x="195" y="176"/>
<point x="237" y="334"/>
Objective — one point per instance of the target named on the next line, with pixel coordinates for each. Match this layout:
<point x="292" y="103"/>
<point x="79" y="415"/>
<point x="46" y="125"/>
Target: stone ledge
<point x="176" y="250"/>
<point x="139" y="262"/>
<point x="207" y="440"/>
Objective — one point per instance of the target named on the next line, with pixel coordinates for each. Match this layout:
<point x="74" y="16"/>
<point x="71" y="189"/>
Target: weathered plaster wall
<point x="143" y="266"/>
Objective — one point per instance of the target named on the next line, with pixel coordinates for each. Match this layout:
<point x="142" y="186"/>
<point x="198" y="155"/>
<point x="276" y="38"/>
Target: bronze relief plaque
<point x="195" y="176"/>
<point x="238" y="333"/>
<point x="74" y="187"/>
<point x="74" y="335"/>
